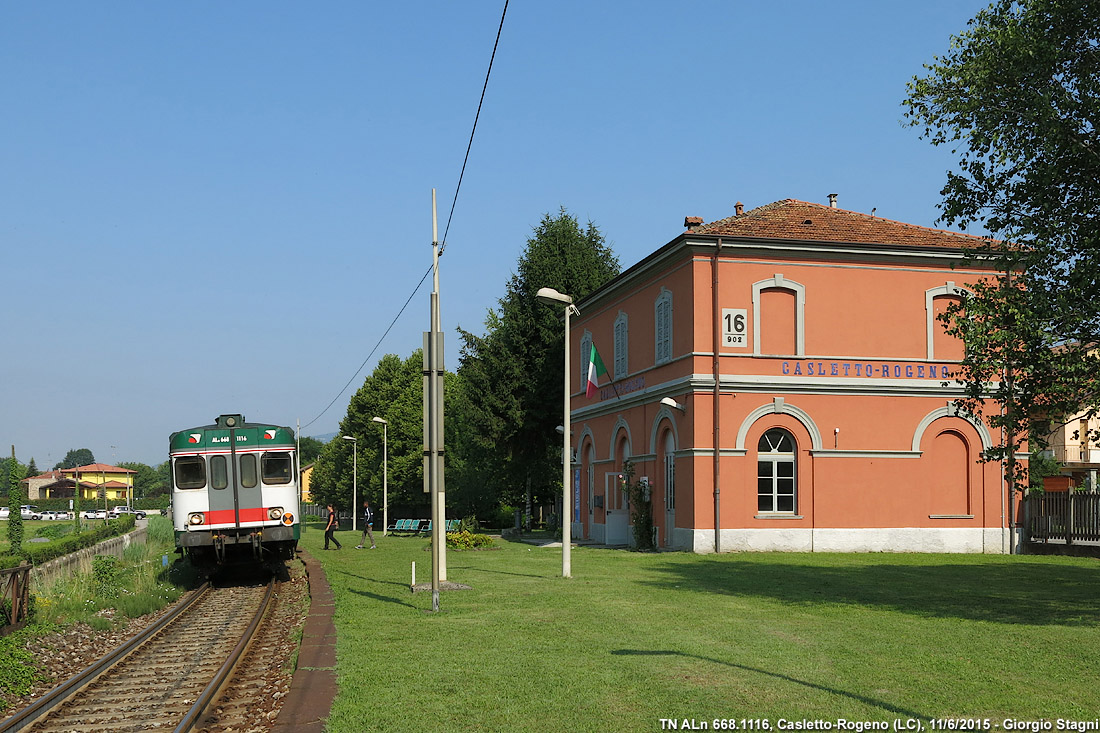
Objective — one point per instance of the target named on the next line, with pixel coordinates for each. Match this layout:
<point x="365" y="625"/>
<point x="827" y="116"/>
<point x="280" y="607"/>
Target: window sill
<point x="778" y="515"/>
<point x="950" y="516"/>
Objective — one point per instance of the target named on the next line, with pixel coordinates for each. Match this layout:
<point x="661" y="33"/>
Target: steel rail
<point x="210" y="692"/>
<point x="55" y="696"/>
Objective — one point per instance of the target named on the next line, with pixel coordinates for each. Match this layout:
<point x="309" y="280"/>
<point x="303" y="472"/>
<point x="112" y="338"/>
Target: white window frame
<point x="799" y="290"/>
<point x="947" y="289"/>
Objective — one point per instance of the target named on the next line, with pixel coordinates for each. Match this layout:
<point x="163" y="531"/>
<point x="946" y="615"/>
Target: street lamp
<point x="354" y="478"/>
<point x="385" y="472"/>
<point x="549" y="296"/>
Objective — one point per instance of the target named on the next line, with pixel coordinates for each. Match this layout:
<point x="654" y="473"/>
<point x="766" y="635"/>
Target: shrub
<point x="641" y="509"/>
<point x="464" y="540"/>
<point x="105" y="573"/>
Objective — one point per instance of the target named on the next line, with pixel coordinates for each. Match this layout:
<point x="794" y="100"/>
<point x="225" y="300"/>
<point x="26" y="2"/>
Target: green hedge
<point x="38" y="553"/>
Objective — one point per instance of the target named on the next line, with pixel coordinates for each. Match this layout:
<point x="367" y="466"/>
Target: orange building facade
<point x="778" y="380"/>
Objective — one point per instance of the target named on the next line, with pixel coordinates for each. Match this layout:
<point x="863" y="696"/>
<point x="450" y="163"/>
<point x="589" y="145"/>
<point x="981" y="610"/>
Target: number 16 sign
<point x="734" y="328"/>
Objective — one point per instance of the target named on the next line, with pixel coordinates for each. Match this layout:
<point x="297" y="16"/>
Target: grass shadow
<point x="894" y="709"/>
<point x="380" y="597"/>
<point x="497" y="572"/>
<point x="1006" y="591"/>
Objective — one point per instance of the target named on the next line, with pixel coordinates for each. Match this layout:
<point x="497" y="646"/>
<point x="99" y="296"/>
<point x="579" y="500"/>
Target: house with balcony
<point x="90" y="481"/>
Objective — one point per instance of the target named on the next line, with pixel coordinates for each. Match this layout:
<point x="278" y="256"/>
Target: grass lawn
<point x="633" y="638"/>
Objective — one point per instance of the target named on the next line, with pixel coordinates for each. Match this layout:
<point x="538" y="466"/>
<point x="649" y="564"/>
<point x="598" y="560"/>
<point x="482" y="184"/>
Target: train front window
<point x="248" y="470"/>
<point x="190" y="472"/>
<point x="219" y="477"/>
<point x="276" y="468"/>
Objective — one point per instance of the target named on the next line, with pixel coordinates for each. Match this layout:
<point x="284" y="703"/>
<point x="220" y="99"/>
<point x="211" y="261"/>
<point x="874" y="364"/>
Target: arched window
<point x="662" y="319"/>
<point x="775" y="472"/>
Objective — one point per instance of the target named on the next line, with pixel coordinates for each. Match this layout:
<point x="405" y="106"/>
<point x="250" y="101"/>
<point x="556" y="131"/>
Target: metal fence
<point x="1068" y="517"/>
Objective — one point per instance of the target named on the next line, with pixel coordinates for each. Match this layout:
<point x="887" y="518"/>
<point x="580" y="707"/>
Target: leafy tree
<point x="394" y="392"/>
<point x="1018" y="99"/>
<point x="1039" y="466"/>
<point x="76" y="457"/>
<point x="6" y="466"/>
<point x="147" y="480"/>
<point x="310" y="448"/>
<point x="510" y="379"/>
<point x="15" y="500"/>
<point x="164" y="470"/>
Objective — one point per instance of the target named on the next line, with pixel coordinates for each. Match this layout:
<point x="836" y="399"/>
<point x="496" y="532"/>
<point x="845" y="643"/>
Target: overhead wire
<point x="446" y="229"/>
<point x="470" y="144"/>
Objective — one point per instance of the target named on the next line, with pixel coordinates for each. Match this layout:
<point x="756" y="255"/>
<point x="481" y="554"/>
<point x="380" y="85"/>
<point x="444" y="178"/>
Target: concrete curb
<point x="313" y="687"/>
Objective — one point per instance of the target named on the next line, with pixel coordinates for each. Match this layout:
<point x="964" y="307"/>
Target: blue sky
<point x="220" y="207"/>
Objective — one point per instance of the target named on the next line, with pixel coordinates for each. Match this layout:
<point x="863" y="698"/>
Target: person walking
<point x="368" y="519"/>
<point x="330" y="528"/>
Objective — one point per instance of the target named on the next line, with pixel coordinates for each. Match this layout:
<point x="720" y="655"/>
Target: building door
<point x="618" y="510"/>
<point x="618" y="501"/>
<point x="670" y="488"/>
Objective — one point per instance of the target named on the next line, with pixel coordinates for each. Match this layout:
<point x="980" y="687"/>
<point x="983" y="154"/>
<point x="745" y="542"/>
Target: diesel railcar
<point x="235" y="491"/>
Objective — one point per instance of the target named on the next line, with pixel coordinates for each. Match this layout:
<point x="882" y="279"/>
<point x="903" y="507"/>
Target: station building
<point x="780" y="380"/>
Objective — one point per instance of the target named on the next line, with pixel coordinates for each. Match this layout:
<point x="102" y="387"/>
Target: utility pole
<point x="433" y="423"/>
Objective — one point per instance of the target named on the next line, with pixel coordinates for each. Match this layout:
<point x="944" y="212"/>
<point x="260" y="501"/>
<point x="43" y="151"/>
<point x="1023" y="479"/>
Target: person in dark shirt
<point x="330" y="529"/>
<point x="367" y="517"/>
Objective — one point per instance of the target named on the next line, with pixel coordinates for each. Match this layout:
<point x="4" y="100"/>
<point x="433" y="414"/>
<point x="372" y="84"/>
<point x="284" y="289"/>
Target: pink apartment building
<point x="779" y="381"/>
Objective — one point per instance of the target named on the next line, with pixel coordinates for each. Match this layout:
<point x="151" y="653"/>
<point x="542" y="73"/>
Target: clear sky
<point x="213" y="207"/>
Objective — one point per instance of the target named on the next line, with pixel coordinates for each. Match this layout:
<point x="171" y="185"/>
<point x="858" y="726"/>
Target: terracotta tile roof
<point x="48" y="474"/>
<point x="97" y="468"/>
<point x="793" y="219"/>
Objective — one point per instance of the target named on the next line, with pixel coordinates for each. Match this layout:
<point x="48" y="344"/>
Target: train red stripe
<point x="227" y="516"/>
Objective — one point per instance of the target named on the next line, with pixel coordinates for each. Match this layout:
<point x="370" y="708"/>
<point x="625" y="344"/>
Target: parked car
<point x="118" y="511"/>
<point x="29" y="511"/>
<point x="4" y="511"/>
<point x="50" y="515"/>
<point x="94" y="514"/>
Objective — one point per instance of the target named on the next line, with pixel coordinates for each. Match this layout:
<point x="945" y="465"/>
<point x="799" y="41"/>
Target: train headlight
<point x="195" y="518"/>
<point x="275" y="512"/>
<point x="288" y="519"/>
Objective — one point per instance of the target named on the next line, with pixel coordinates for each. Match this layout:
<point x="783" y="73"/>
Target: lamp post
<point x="552" y="297"/>
<point x="354" y="478"/>
<point x="385" y="473"/>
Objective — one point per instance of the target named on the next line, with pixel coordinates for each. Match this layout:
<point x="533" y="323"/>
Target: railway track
<point x="163" y="679"/>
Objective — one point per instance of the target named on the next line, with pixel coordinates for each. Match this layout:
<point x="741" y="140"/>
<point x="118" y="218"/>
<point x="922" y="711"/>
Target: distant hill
<point x="326" y="437"/>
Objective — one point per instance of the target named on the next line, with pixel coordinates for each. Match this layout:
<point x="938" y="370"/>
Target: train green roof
<point x="247" y="435"/>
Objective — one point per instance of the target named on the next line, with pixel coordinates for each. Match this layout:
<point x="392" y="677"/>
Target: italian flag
<point x="595" y="369"/>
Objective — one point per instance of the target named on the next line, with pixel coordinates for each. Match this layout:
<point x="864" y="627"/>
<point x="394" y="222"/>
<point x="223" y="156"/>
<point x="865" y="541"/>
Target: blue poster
<point x="576" y="495"/>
